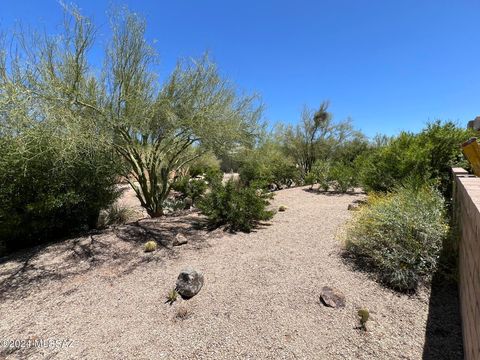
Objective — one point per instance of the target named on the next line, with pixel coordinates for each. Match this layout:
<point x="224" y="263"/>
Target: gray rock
<point x="189" y="282"/>
<point x="179" y="240"/>
<point x="332" y="297"/>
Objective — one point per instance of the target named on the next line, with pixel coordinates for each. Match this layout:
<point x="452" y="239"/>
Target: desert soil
<point x="101" y="297"/>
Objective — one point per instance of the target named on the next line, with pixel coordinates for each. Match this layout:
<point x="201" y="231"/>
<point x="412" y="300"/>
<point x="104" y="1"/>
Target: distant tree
<point x="316" y="137"/>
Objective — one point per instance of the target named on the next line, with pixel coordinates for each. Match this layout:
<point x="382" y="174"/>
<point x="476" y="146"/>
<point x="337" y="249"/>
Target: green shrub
<point x="255" y="171"/>
<point x="115" y="215"/>
<point x="399" y="235"/>
<point x="239" y="208"/>
<point x="429" y="154"/>
<point x="190" y="187"/>
<point x="207" y="166"/>
<point x="268" y="165"/>
<point x="342" y="177"/>
<point x="284" y="172"/>
<point x="53" y="184"/>
<point x="320" y="174"/>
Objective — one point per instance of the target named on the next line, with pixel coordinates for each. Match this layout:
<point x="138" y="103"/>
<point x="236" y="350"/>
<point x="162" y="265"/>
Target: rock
<point x="179" y="240"/>
<point x="188" y="203"/>
<point x="353" y="207"/>
<point x="282" y="208"/>
<point x="332" y="297"/>
<point x="272" y="187"/>
<point x="189" y="282"/>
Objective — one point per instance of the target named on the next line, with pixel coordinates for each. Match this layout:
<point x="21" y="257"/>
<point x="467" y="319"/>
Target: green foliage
<point x="317" y="137"/>
<point x="115" y="215"/>
<point x="268" y="165"/>
<point x="319" y="174"/>
<point x="429" y="155"/>
<point x="208" y="166"/>
<point x="343" y="177"/>
<point x="172" y="296"/>
<point x="150" y="246"/>
<point x="363" y="315"/>
<point x="239" y="208"/>
<point x="400" y="235"/>
<point x="54" y="182"/>
<point x="172" y="204"/>
<point x="193" y="188"/>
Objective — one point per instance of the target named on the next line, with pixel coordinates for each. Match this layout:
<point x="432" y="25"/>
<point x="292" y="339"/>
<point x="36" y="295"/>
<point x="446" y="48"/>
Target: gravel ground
<point x="260" y="299"/>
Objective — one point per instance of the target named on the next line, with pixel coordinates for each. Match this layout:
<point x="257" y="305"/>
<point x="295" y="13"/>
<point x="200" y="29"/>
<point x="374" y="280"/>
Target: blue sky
<point x="390" y="65"/>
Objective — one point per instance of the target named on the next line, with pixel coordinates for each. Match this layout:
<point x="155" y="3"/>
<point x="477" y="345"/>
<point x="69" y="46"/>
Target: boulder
<point x="189" y="282"/>
<point x="179" y="240"/>
<point x="332" y="297"/>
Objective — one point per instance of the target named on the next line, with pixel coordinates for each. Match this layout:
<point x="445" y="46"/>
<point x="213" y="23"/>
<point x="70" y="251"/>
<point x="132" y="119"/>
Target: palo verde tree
<point x="155" y="128"/>
<point x="158" y="130"/>
<point x="316" y="137"/>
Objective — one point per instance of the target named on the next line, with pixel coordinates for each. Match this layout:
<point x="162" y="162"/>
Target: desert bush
<point x="284" y="172"/>
<point x="342" y="177"/>
<point x="54" y="183"/>
<point x="115" y="214"/>
<point x="207" y="166"/>
<point x="429" y="154"/>
<point x="193" y="188"/>
<point x="320" y="174"/>
<point x="238" y="207"/>
<point x="253" y="170"/>
<point x="399" y="235"/>
<point x="267" y="164"/>
<point x="172" y="204"/>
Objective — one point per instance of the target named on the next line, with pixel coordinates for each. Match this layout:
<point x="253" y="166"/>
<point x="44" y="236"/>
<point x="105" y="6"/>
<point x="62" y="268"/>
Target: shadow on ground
<point x="120" y="248"/>
<point x="316" y="191"/>
<point x="443" y="336"/>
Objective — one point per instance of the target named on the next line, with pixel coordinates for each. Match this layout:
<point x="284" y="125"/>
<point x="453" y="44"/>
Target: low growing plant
<point x="172" y="296"/>
<point x="150" y="246"/>
<point x="399" y="235"/>
<point x="363" y="315"/>
<point x="238" y="207"/>
<point x="115" y="215"/>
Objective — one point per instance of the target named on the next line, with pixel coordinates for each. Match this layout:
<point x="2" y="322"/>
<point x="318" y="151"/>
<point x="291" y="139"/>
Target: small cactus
<point x="150" y="246"/>
<point x="282" y="208"/>
<point x="364" y="316"/>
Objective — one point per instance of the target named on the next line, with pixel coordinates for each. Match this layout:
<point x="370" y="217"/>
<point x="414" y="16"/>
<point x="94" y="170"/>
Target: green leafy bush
<point x="208" y="166"/>
<point x="268" y="165"/>
<point x="399" y="235"/>
<point x="342" y="177"/>
<point x="254" y="170"/>
<point x="239" y="208"/>
<point x="52" y="185"/>
<point x="193" y="188"/>
<point x="429" y="154"/>
<point x="320" y="174"/>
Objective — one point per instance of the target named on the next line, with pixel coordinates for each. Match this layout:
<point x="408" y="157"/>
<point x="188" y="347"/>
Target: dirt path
<point x="260" y="299"/>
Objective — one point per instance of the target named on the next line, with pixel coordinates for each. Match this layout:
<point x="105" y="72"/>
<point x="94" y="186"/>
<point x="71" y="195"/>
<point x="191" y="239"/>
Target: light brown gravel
<point x="260" y="299"/>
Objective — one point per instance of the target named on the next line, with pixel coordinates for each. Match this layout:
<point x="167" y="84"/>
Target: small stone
<point x="179" y="240"/>
<point x="332" y="297"/>
<point x="282" y="208"/>
<point x="188" y="203"/>
<point x="353" y="207"/>
<point x="189" y="282"/>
